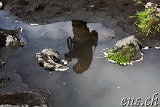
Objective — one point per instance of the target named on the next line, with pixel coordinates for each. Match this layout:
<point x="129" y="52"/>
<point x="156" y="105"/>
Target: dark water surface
<point x="92" y="81"/>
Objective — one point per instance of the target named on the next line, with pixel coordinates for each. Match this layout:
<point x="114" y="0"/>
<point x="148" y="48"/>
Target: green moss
<point x="146" y="24"/>
<point x="139" y="42"/>
<point x="122" y="56"/>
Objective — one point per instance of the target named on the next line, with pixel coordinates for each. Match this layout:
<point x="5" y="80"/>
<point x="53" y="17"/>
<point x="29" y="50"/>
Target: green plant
<point x="121" y="56"/>
<point x="146" y="22"/>
<point x="139" y="42"/>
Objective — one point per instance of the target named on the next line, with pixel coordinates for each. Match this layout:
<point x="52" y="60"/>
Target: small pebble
<point x="1" y="5"/>
<point x="145" y="48"/>
<point x="105" y="53"/>
<point x="92" y="6"/>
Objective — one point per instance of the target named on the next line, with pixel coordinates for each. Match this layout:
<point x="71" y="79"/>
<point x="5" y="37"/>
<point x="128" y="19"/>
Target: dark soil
<point x="108" y="12"/>
<point x="113" y="14"/>
<point x="31" y="98"/>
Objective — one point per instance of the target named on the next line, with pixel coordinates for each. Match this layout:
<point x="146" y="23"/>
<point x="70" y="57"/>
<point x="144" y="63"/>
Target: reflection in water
<point x="80" y="46"/>
<point x="103" y="85"/>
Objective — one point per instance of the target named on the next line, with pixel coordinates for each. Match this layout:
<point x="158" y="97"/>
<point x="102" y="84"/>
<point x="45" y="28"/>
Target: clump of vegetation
<point x="139" y="42"/>
<point x="147" y="21"/>
<point x="121" y="56"/>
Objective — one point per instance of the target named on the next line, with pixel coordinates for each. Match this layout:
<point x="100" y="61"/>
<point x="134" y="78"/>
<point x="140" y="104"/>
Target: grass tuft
<point x="147" y="23"/>
<point x="121" y="56"/>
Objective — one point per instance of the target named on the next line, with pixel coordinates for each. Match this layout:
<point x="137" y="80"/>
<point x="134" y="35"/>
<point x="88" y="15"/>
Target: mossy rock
<point x="125" y="51"/>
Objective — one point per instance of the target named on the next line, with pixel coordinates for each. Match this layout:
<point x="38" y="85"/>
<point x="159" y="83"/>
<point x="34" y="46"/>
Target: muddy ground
<point x="50" y="11"/>
<point x="112" y="14"/>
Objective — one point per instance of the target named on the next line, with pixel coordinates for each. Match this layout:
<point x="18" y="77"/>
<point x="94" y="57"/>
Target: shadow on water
<point x="92" y="81"/>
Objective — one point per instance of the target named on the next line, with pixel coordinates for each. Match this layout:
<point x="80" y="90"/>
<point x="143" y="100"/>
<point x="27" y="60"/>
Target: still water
<point x="91" y="80"/>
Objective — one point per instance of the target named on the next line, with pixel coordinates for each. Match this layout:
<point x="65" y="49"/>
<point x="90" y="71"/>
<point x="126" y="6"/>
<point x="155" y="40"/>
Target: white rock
<point x="127" y="41"/>
<point x="50" y="59"/>
<point x="145" y="48"/>
<point x="149" y="4"/>
<point x="10" y="40"/>
<point x="105" y="53"/>
<point x="51" y="52"/>
<point x="92" y="6"/>
<point x="64" y="62"/>
<point x="1" y="5"/>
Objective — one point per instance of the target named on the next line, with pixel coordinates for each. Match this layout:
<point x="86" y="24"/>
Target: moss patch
<point x="147" y="22"/>
<point x="121" y="56"/>
<point x="139" y="42"/>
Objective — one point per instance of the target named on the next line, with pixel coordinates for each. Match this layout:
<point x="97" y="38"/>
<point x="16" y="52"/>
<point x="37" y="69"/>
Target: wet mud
<point x="92" y="81"/>
<point x="31" y="98"/>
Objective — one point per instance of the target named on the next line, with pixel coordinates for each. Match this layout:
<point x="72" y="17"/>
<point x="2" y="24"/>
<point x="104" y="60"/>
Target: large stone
<point x="11" y="37"/>
<point x="127" y="41"/>
<point x="50" y="60"/>
<point x="128" y="49"/>
<point x="133" y="42"/>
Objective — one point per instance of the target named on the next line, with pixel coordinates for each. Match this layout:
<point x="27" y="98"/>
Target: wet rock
<point x="127" y="41"/>
<point x="110" y="37"/>
<point x="1" y="62"/>
<point x="11" y="37"/>
<point x="125" y="51"/>
<point x="31" y="98"/>
<point x="1" y="5"/>
<point x="50" y="60"/>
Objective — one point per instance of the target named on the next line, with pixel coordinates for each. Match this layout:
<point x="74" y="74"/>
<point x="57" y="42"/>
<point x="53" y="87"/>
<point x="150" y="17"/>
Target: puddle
<point x="92" y="81"/>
